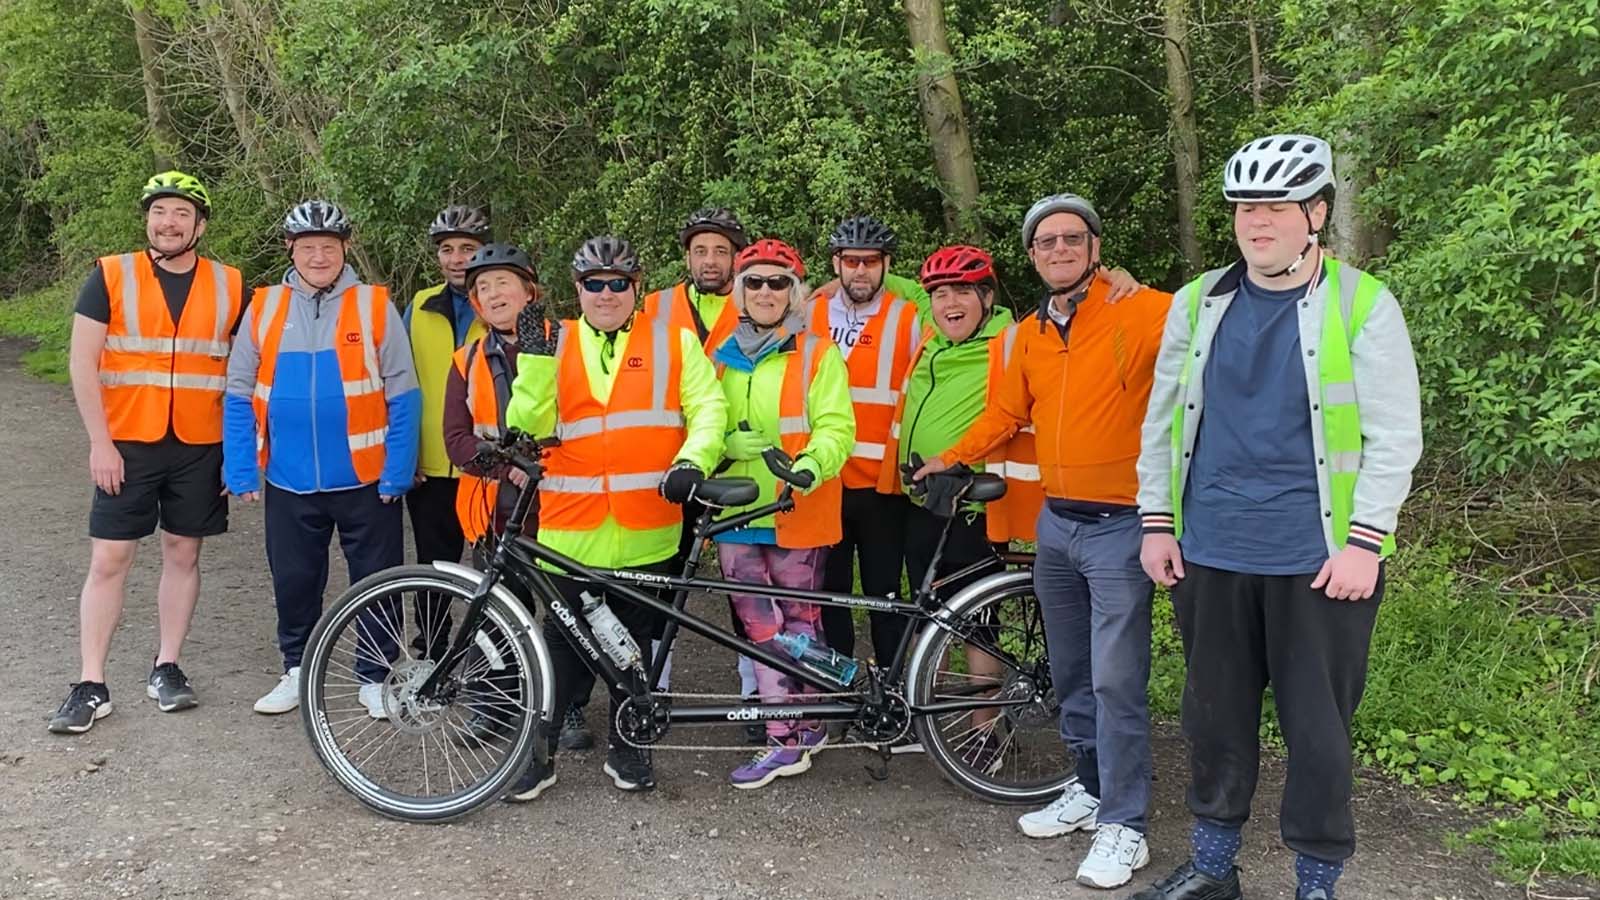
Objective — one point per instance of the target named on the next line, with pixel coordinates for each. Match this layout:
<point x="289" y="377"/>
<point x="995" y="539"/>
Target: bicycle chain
<point x="746" y="748"/>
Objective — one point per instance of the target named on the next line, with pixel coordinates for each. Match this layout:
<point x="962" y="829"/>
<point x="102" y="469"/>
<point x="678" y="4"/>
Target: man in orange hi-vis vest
<point x="149" y="356"/>
<point x="322" y="421"/>
<point x="876" y="330"/>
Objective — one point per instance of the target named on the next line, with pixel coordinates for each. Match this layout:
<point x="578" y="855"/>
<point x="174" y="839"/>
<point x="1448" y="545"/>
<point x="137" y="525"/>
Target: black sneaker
<point x="87" y="702"/>
<point x="538" y="779"/>
<point x="575" y="731"/>
<point x="169" y="687"/>
<point x="630" y="768"/>
<point x="1188" y="883"/>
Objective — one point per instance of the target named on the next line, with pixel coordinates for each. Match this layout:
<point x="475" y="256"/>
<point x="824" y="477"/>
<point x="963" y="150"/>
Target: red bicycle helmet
<point x="959" y="264"/>
<point x="773" y="252"/>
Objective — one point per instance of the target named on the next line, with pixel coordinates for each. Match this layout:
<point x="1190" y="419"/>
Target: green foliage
<point x="1479" y="126"/>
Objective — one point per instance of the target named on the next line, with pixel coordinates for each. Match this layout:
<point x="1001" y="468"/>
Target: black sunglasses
<point x="596" y="285"/>
<point x="773" y="282"/>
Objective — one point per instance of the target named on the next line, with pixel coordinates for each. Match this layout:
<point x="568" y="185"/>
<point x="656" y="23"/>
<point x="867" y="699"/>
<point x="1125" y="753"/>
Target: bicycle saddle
<point x="986" y="487"/>
<point x="730" y="491"/>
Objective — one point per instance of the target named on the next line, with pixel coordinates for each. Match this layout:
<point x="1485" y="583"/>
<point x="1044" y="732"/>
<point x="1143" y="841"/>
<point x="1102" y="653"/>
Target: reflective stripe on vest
<point x="1349" y="302"/>
<point x="158" y="375"/>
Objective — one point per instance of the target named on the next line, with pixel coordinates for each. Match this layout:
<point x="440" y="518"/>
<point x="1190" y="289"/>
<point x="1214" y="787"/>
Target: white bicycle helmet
<point x="316" y="217"/>
<point x="1283" y="167"/>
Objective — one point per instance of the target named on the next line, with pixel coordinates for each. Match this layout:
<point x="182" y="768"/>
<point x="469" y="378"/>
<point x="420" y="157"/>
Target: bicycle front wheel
<point x="405" y="755"/>
<point x="991" y="647"/>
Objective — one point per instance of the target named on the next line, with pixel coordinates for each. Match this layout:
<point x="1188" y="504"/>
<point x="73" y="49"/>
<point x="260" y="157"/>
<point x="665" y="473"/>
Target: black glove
<point x="681" y="481"/>
<point x="944" y="487"/>
<point x="531" y="337"/>
<point x="908" y="470"/>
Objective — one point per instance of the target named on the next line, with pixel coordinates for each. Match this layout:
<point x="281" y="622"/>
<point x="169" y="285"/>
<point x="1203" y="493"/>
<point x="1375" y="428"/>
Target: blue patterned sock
<point x="1315" y="873"/>
<point x="1215" y="847"/>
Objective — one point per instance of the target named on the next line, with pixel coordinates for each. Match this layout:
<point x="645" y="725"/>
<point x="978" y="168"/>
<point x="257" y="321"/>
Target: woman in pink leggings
<point x="785" y="389"/>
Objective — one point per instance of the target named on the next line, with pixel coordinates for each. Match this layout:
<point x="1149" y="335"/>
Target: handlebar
<point x="781" y="465"/>
<point x="513" y="448"/>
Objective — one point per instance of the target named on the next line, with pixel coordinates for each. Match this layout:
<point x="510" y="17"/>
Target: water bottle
<point x="831" y="663"/>
<point x="609" y="631"/>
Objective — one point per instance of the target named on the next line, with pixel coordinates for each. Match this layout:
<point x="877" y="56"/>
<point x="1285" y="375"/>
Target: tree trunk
<point x="1185" y="133"/>
<point x="233" y="94"/>
<point x="942" y="116"/>
<point x="1257" y="73"/>
<point x="1351" y="236"/>
<point x="166" y="136"/>
<point x="295" y="113"/>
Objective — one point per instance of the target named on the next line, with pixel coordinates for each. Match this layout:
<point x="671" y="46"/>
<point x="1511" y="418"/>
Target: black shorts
<point x="176" y="484"/>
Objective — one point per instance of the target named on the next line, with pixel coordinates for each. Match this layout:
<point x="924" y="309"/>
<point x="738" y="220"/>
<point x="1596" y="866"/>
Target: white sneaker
<point x="284" y="697"/>
<point x="372" y="699"/>
<point x="1116" y="852"/>
<point x="1073" y="811"/>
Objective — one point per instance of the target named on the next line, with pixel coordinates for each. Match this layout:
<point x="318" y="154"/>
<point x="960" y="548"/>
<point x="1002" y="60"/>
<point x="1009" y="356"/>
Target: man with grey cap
<point x="1086" y="407"/>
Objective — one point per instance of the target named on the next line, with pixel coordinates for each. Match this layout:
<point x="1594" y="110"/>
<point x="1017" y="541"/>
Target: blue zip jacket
<point x="307" y="430"/>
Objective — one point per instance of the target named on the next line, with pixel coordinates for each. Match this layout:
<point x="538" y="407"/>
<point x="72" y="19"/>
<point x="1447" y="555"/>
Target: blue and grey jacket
<point x="307" y="428"/>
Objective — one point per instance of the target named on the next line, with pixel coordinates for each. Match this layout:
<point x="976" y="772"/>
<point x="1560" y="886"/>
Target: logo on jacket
<point x="865" y="340"/>
<point x="635" y="362"/>
<point x="352" y="337"/>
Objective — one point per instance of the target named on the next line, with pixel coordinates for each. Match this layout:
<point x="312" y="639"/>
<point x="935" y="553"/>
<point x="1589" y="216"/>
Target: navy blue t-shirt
<point x="1250" y="504"/>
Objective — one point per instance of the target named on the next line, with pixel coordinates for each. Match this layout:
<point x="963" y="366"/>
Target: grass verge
<point x="43" y="317"/>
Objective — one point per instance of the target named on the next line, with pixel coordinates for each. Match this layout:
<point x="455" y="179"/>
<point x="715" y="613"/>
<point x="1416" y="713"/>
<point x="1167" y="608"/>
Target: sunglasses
<point x="615" y="285"/>
<point x="1073" y="239"/>
<point x="856" y="262"/>
<point x="771" y="282"/>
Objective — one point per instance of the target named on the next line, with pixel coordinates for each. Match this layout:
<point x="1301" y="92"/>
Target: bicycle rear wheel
<point x="431" y="759"/>
<point x="992" y="647"/>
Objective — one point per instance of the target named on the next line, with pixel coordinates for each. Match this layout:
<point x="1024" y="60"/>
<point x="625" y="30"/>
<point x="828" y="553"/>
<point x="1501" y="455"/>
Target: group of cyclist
<point x="1267" y="515"/>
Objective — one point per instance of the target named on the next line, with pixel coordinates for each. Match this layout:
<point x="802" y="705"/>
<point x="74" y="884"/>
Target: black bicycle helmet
<point x="862" y="233"/>
<point x="718" y="220"/>
<point x="316" y="217"/>
<point x="460" y="221"/>
<point x="500" y="256"/>
<point x="605" y="253"/>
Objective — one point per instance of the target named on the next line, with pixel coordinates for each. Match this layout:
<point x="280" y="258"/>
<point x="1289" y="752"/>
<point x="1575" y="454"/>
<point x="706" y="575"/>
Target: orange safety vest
<point x="614" y="453"/>
<point x="1013" y="516"/>
<point x="681" y="314"/>
<point x="363" y="320"/>
<point x="476" y="497"/>
<point x="878" y="364"/>
<point x="155" y="374"/>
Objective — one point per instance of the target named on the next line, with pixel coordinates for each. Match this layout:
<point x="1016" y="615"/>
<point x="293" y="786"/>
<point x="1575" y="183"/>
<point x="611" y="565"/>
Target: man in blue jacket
<point x="323" y="397"/>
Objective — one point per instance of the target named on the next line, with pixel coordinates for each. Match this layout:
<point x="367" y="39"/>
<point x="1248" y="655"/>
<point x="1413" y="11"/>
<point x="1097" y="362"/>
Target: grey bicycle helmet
<point x="1058" y="203"/>
<point x="500" y="256"/>
<point x="316" y="217"/>
<point x="1283" y="167"/>
<point x="605" y="253"/>
<point x="460" y="221"/>
<point x="717" y="220"/>
<point x="862" y="233"/>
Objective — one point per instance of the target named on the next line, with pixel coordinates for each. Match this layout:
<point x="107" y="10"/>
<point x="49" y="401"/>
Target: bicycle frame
<point x="532" y="564"/>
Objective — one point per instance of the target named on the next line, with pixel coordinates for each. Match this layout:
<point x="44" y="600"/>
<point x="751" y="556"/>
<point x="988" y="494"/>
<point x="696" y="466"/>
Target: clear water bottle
<point x="831" y="663"/>
<point x="609" y="631"/>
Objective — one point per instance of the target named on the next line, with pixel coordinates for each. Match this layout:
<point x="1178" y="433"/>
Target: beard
<point x="861" y="292"/>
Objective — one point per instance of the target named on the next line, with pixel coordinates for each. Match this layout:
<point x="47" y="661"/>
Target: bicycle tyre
<point x="503" y="612"/>
<point x="1050" y="766"/>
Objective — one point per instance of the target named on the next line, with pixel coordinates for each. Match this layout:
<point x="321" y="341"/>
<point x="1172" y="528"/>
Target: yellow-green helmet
<point x="176" y="184"/>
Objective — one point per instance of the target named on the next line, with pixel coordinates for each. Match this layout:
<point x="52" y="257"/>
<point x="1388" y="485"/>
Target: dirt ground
<point x="221" y="802"/>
